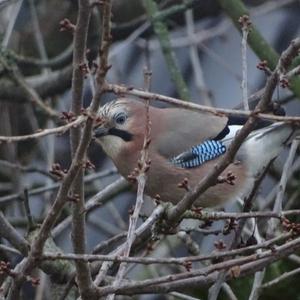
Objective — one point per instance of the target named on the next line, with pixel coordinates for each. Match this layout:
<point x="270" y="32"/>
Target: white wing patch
<point x="233" y="130"/>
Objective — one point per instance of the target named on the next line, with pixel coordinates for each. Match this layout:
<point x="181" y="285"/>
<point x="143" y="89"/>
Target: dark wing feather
<point x="199" y="154"/>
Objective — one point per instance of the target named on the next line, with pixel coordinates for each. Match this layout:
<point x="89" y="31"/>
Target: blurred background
<point x="207" y="49"/>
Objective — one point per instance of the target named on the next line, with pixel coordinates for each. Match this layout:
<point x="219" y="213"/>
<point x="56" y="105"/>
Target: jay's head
<point x="120" y="128"/>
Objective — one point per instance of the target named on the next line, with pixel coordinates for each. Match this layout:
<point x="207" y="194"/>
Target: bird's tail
<point x="266" y="144"/>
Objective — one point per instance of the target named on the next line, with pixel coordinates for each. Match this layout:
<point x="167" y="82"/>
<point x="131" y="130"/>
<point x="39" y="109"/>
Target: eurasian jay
<point x="186" y="144"/>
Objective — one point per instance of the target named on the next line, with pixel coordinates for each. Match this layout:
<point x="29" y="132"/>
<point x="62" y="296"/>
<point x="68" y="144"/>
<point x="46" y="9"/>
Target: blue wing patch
<point x="199" y="154"/>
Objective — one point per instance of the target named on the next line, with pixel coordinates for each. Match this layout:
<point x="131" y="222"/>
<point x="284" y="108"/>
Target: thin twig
<point x="151" y="220"/>
<point x="37" y="32"/>
<point x="285" y="174"/>
<point x="245" y="23"/>
<point x="104" y="245"/>
<point x="195" y="61"/>
<point x="192" y="246"/>
<point x="11" y="24"/>
<point x="57" y="130"/>
<point x="143" y="167"/>
<point x="280" y="278"/>
<point x="272" y="224"/>
<point x="29" y="169"/>
<point x="10" y="250"/>
<point x="97" y="200"/>
<point x="229" y="292"/>
<point x="219" y="215"/>
<point x="57" y="61"/>
<point x="84" y="278"/>
<point x="123" y="90"/>
<point x="256" y="286"/>
<point x="163" y="35"/>
<point x="88" y="178"/>
<point x="183" y="296"/>
<point x="28" y="91"/>
<point x="277" y="208"/>
<point x="30" y="221"/>
<point x="8" y="232"/>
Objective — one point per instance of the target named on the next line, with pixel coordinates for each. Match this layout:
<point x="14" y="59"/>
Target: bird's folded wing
<point x="180" y="129"/>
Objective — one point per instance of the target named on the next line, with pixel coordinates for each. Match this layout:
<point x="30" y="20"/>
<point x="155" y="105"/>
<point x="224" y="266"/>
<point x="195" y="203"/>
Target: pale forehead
<point x="113" y="107"/>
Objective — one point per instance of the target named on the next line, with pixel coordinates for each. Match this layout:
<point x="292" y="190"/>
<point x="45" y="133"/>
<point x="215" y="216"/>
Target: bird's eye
<point x="120" y="118"/>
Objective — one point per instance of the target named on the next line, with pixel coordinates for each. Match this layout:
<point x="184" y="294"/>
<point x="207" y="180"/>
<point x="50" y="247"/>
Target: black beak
<point x="100" y="131"/>
<point x="103" y="131"/>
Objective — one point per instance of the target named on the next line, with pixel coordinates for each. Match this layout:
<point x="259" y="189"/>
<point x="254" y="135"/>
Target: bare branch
<point x="210" y="216"/>
<point x="204" y="276"/>
<point x="280" y="278"/>
<point x="77" y="162"/>
<point x="8" y="232"/>
<point x="245" y="24"/>
<point x="56" y="130"/>
<point x="215" y="255"/>
<point x="84" y="277"/>
<point x="123" y="90"/>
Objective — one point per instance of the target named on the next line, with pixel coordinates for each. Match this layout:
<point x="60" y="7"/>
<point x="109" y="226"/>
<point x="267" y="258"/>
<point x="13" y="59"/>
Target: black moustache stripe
<point x="125" y="135"/>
